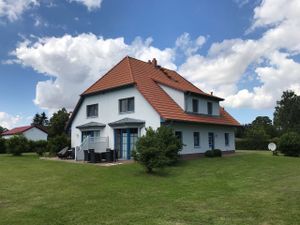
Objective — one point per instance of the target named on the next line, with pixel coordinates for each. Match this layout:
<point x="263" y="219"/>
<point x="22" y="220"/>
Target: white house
<point x="134" y="95"/>
<point x="34" y="133"/>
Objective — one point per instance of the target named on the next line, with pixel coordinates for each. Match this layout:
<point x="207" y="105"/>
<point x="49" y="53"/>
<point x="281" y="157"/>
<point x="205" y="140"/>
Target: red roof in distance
<point x="20" y="130"/>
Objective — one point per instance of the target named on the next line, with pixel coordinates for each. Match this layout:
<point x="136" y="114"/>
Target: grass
<point x="248" y="188"/>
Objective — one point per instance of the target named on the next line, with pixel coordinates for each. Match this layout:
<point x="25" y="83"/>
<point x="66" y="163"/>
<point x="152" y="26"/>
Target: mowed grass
<point x="248" y="188"/>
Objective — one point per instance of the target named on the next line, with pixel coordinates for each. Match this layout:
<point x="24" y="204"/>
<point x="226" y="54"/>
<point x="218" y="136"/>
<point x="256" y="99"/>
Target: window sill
<point x="129" y="112"/>
<point x="91" y="117"/>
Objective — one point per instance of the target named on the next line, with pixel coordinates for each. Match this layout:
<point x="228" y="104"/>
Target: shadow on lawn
<point x="167" y="171"/>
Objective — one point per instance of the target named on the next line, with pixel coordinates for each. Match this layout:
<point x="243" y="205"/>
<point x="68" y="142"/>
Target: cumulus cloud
<point x="187" y="45"/>
<point x="90" y="4"/>
<point x="13" y="9"/>
<point x="9" y="121"/>
<point x="72" y="63"/>
<point x="270" y="56"/>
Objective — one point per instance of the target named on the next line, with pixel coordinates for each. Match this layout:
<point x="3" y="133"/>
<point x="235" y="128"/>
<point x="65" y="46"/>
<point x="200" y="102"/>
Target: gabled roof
<point x="20" y="130"/>
<point x="147" y="76"/>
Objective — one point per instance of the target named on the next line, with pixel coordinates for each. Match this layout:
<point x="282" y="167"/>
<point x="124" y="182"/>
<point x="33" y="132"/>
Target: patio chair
<point x="63" y="153"/>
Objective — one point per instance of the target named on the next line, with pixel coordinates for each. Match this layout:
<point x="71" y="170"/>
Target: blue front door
<point x="125" y="140"/>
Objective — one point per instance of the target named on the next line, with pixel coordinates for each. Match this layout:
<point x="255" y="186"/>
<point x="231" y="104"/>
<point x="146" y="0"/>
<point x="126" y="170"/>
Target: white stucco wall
<point x="219" y="133"/>
<point x="202" y="105"/>
<point x="108" y="111"/>
<point x="176" y="95"/>
<point x="35" y="134"/>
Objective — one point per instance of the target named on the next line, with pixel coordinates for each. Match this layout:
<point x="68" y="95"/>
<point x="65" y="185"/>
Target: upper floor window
<point x="209" y="108"/>
<point x="126" y="105"/>
<point x="196" y="139"/>
<point x="92" y="110"/>
<point x="195" y="105"/>
<point x="226" y="139"/>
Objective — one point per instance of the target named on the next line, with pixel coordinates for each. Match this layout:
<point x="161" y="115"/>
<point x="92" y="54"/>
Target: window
<point x="178" y="134"/>
<point x="92" y="110"/>
<point x="92" y="134"/>
<point x="209" y="108"/>
<point x="211" y="140"/>
<point x="126" y="105"/>
<point x="226" y="139"/>
<point x="195" y="105"/>
<point x="196" y="139"/>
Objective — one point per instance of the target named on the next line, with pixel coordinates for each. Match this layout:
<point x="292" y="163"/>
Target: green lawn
<point x="248" y="188"/>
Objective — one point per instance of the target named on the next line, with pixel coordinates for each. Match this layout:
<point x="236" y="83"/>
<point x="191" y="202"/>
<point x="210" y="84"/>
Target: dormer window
<point x="92" y="110"/>
<point x="195" y="105"/>
<point x="126" y="105"/>
<point x="209" y="108"/>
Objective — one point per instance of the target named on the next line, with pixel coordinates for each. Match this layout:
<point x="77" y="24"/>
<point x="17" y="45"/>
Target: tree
<point x="58" y="122"/>
<point x="265" y="123"/>
<point x="40" y="119"/>
<point x="287" y="111"/>
<point x="2" y="129"/>
<point x="157" y="149"/>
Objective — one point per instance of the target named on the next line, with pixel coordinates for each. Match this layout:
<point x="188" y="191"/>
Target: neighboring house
<point x="134" y="95"/>
<point x="34" y="133"/>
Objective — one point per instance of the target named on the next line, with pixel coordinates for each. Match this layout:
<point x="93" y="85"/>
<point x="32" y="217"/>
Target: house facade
<point x="134" y="95"/>
<point x="34" y="133"/>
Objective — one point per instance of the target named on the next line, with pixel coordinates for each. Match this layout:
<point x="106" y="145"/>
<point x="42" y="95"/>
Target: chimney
<point x="154" y="62"/>
<point x="211" y="93"/>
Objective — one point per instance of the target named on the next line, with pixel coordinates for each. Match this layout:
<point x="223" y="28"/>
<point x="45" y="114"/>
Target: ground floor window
<point x="211" y="140"/>
<point x="196" y="139"/>
<point x="178" y="134"/>
<point x="90" y="133"/>
<point x="226" y="139"/>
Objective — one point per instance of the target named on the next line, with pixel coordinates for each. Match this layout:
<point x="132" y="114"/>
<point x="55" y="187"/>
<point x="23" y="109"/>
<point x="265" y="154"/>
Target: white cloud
<point x="268" y="56"/>
<point x="13" y="9"/>
<point x="188" y="46"/>
<point x="8" y="121"/>
<point x="72" y="63"/>
<point x="90" y="4"/>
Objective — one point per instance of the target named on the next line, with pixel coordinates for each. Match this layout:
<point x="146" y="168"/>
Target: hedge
<point x="246" y="144"/>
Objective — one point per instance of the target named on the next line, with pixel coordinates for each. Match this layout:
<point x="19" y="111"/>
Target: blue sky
<point x="52" y="48"/>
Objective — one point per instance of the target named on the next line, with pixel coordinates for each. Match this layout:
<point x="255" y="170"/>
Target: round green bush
<point x="289" y="144"/>
<point x="217" y="153"/>
<point x="213" y="153"/>
<point x="209" y="153"/>
<point x="17" y="145"/>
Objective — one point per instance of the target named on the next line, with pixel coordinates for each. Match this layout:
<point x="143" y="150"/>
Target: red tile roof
<point x="146" y="77"/>
<point x="20" y="130"/>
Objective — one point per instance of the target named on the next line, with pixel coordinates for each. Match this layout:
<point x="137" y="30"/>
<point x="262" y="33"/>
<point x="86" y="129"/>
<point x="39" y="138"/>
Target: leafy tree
<point x="265" y="123"/>
<point x="157" y="149"/>
<point x="2" y="129"/>
<point x="40" y="119"/>
<point x="17" y="145"/>
<point x="289" y="144"/>
<point x="58" y="122"/>
<point x="287" y="111"/>
<point x="57" y="143"/>
<point x="241" y="131"/>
